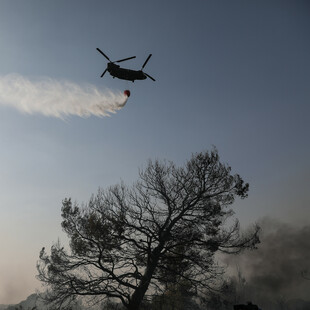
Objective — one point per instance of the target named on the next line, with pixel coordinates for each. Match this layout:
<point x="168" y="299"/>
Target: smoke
<point x="276" y="270"/>
<point x="57" y="98"/>
<point x="16" y="282"/>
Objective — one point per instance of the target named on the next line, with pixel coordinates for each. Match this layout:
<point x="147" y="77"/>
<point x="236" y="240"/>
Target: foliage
<point x="177" y="296"/>
<point x="129" y="242"/>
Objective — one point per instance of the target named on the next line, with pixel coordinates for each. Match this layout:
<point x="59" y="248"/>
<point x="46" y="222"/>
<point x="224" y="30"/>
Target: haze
<point x="234" y="74"/>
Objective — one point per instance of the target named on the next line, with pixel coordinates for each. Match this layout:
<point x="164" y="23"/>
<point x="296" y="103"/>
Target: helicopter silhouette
<point x="125" y="74"/>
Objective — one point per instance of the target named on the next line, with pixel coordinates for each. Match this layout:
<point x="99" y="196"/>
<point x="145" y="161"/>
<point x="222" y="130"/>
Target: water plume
<point x="60" y="99"/>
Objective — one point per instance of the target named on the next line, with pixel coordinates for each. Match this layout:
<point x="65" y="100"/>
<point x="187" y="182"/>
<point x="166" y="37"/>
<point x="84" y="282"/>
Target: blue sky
<point x="233" y="74"/>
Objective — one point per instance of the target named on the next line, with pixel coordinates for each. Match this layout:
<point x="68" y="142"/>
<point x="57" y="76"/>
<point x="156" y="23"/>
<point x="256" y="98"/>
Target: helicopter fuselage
<point x="125" y="74"/>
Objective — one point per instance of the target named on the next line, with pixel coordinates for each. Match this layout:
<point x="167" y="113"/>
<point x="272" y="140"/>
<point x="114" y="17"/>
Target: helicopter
<point x="122" y="73"/>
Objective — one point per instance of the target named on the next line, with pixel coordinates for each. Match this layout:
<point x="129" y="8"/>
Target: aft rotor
<point x="110" y="61"/>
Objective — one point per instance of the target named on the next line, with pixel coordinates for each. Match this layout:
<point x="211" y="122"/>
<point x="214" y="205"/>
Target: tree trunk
<point x="138" y="295"/>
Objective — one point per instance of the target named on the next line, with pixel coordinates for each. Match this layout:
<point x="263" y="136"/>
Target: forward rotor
<point x="146" y="61"/>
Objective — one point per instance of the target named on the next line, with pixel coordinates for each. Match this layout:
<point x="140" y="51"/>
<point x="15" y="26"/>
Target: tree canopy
<point x="131" y="242"/>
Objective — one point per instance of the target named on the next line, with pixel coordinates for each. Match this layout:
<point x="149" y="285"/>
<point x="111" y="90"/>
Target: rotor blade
<point x="103" y="72"/>
<point x="101" y="52"/>
<point x="147" y="59"/>
<point x="125" y="59"/>
<point x="149" y="76"/>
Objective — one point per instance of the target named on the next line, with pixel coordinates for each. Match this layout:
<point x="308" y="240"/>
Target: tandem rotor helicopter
<point x="122" y="73"/>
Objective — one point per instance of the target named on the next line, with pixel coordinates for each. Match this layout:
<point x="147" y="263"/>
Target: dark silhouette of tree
<point x="127" y="242"/>
<point x="177" y="296"/>
<point x="305" y="274"/>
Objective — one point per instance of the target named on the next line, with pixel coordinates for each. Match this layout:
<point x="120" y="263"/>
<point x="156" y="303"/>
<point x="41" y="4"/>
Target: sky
<point x="229" y="74"/>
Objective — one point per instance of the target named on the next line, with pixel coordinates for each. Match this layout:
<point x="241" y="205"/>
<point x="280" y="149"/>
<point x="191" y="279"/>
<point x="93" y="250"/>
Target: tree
<point x="127" y="242"/>
<point x="305" y="274"/>
<point x="177" y="296"/>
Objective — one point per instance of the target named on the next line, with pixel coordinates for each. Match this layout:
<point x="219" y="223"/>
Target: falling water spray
<point x="58" y="98"/>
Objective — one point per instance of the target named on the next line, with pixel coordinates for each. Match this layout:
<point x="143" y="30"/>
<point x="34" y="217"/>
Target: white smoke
<point x="58" y="98"/>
